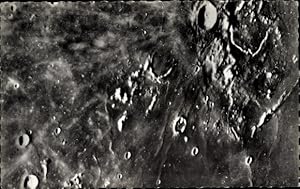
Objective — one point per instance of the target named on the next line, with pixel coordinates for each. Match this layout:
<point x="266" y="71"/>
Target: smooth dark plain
<point x="145" y="94"/>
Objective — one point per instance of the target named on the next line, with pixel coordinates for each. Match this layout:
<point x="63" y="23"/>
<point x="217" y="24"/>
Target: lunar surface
<point x="149" y="94"/>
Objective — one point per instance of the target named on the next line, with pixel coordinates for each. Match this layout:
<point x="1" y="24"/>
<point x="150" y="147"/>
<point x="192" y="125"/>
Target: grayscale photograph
<point x="149" y="94"/>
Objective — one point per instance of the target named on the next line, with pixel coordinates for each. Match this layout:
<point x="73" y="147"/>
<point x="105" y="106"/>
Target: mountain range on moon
<point x="149" y="94"/>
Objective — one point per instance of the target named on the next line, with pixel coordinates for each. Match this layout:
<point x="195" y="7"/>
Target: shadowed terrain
<point x="149" y="94"/>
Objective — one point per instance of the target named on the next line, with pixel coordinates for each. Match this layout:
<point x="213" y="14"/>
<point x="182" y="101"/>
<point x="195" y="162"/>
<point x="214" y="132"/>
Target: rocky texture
<point x="149" y="94"/>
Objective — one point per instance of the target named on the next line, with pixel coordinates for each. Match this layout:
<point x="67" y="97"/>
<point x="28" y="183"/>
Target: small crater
<point x="180" y="125"/>
<point x="127" y="155"/>
<point x="16" y="85"/>
<point x="248" y="160"/>
<point x="13" y="84"/>
<point x="186" y="139"/>
<point x="24" y="140"/>
<point x="207" y="16"/>
<point x="194" y="151"/>
<point x="31" y="182"/>
<point x="158" y="182"/>
<point x="119" y="176"/>
<point x="57" y="131"/>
